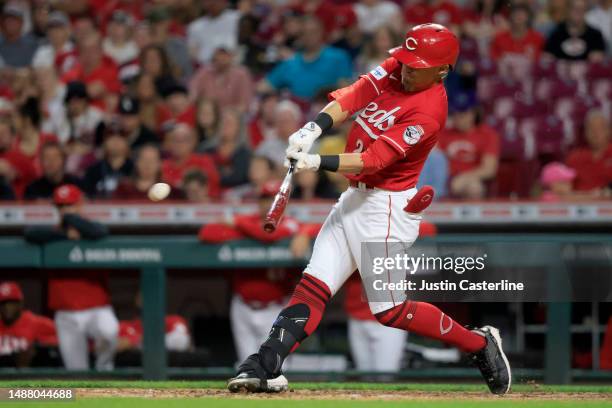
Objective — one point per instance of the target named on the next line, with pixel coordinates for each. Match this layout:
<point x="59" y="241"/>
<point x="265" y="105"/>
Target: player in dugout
<point x="401" y="106"/>
<point x="20" y="329"/>
<point x="80" y="298"/>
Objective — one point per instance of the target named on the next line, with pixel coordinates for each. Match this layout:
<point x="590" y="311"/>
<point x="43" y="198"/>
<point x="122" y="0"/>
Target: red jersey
<point x="24" y="332"/>
<point x="408" y="121"/>
<point x="44" y="138"/>
<point x="107" y="73"/>
<point x="172" y="172"/>
<point x="78" y="290"/>
<point x="529" y="45"/>
<point x="132" y="330"/>
<point x="444" y="13"/>
<point x="24" y="169"/>
<point x="591" y="172"/>
<point x="466" y="149"/>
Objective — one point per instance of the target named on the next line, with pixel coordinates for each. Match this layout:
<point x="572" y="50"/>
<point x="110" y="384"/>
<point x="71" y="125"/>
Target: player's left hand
<point x="304" y="161"/>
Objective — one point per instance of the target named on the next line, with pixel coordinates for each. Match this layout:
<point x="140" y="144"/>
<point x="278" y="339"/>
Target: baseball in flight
<point x="159" y="191"/>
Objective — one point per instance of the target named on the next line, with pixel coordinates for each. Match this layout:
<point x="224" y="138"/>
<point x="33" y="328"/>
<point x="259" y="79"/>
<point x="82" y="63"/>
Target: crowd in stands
<point x="114" y="96"/>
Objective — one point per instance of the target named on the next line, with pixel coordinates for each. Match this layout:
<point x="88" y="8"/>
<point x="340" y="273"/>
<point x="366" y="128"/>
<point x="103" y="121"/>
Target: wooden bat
<point x="277" y="209"/>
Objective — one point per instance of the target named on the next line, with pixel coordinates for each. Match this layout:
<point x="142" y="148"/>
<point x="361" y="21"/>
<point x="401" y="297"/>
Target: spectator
<point x="98" y="72"/>
<point x="251" y="49"/>
<point x="520" y="39"/>
<point x="118" y="43"/>
<point x="230" y="155"/>
<point x="593" y="164"/>
<point x="52" y="93"/>
<point x="286" y="122"/>
<point x="317" y="66"/>
<point x="102" y="178"/>
<point x="434" y="11"/>
<point x="548" y="17"/>
<point x="30" y="140"/>
<point x="60" y="51"/>
<point x="181" y="143"/>
<point x="77" y="130"/>
<point x="375" y="14"/>
<point x="257" y="293"/>
<point x="129" y="120"/>
<point x="148" y="100"/>
<point x="262" y="126"/>
<point x="207" y="121"/>
<point x="22" y="85"/>
<point x="147" y="171"/>
<point x="21" y="330"/>
<point x="217" y="28"/>
<point x="472" y="149"/>
<point x="481" y="24"/>
<point x="176" y="337"/>
<point x="154" y="61"/>
<point x="15" y="167"/>
<point x="261" y="170"/>
<point x="600" y="18"/>
<point x="80" y="298"/>
<point x="16" y="49"/>
<point x="377" y="48"/>
<point x="195" y="187"/>
<point x="574" y="39"/>
<point x="435" y="173"/>
<point x="160" y="20"/>
<point x="556" y="179"/>
<point x="223" y="82"/>
<point x="52" y="163"/>
<point x="39" y="15"/>
<point x="312" y="185"/>
<point x="177" y="107"/>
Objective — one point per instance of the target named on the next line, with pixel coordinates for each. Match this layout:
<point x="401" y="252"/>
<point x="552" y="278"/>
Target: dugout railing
<point x="153" y="255"/>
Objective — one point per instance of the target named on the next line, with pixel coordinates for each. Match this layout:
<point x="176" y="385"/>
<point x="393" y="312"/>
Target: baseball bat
<point x="277" y="209"/>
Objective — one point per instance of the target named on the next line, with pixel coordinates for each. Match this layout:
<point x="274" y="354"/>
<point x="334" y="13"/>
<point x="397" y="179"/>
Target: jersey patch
<point x="413" y="134"/>
<point x="378" y="73"/>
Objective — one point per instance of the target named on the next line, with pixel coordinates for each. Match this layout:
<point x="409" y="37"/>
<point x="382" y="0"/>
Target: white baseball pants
<point x="74" y="328"/>
<point x="251" y="327"/>
<point x="361" y="215"/>
<point x="375" y="347"/>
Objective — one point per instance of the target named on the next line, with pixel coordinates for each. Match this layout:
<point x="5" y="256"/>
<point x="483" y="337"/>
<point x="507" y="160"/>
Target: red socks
<point x="427" y="320"/>
<point x="314" y="294"/>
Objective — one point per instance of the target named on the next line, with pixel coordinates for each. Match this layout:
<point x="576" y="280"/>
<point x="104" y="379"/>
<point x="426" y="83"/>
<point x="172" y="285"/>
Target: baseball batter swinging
<point x="402" y="106"/>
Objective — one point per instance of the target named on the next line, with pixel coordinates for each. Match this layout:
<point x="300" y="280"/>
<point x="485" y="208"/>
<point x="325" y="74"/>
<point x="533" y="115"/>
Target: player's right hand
<point x="302" y="140"/>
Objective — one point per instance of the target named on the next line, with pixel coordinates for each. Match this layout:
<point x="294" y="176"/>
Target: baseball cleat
<point x="252" y="377"/>
<point x="492" y="362"/>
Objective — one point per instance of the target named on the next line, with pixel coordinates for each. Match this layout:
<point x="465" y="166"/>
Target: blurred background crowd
<point x="114" y="96"/>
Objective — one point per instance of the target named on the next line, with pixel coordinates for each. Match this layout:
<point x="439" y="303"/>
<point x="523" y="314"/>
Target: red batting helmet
<point x="427" y="46"/>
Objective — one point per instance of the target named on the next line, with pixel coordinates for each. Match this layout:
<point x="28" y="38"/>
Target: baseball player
<point x="401" y="106"/>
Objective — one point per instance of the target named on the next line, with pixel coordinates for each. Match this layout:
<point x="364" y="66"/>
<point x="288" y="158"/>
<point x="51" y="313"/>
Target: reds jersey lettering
<point x="379" y="118"/>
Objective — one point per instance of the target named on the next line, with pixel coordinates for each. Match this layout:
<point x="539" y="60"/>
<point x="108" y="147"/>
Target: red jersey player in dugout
<point x="401" y="106"/>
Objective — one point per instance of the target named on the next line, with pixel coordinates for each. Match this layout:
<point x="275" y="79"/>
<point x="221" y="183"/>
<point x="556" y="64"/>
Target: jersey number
<point x="359" y="147"/>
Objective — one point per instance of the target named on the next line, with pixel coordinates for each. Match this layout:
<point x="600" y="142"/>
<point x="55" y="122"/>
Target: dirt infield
<point x="338" y="394"/>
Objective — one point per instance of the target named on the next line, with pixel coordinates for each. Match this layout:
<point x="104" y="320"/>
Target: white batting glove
<point x="302" y="140"/>
<point x="304" y="161"/>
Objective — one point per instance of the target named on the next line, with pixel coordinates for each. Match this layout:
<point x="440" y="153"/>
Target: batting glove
<point x="302" y="140"/>
<point x="304" y="161"/>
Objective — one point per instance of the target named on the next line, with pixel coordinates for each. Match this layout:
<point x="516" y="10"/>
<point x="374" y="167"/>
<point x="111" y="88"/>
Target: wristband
<point x="330" y="162"/>
<point x="324" y="121"/>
